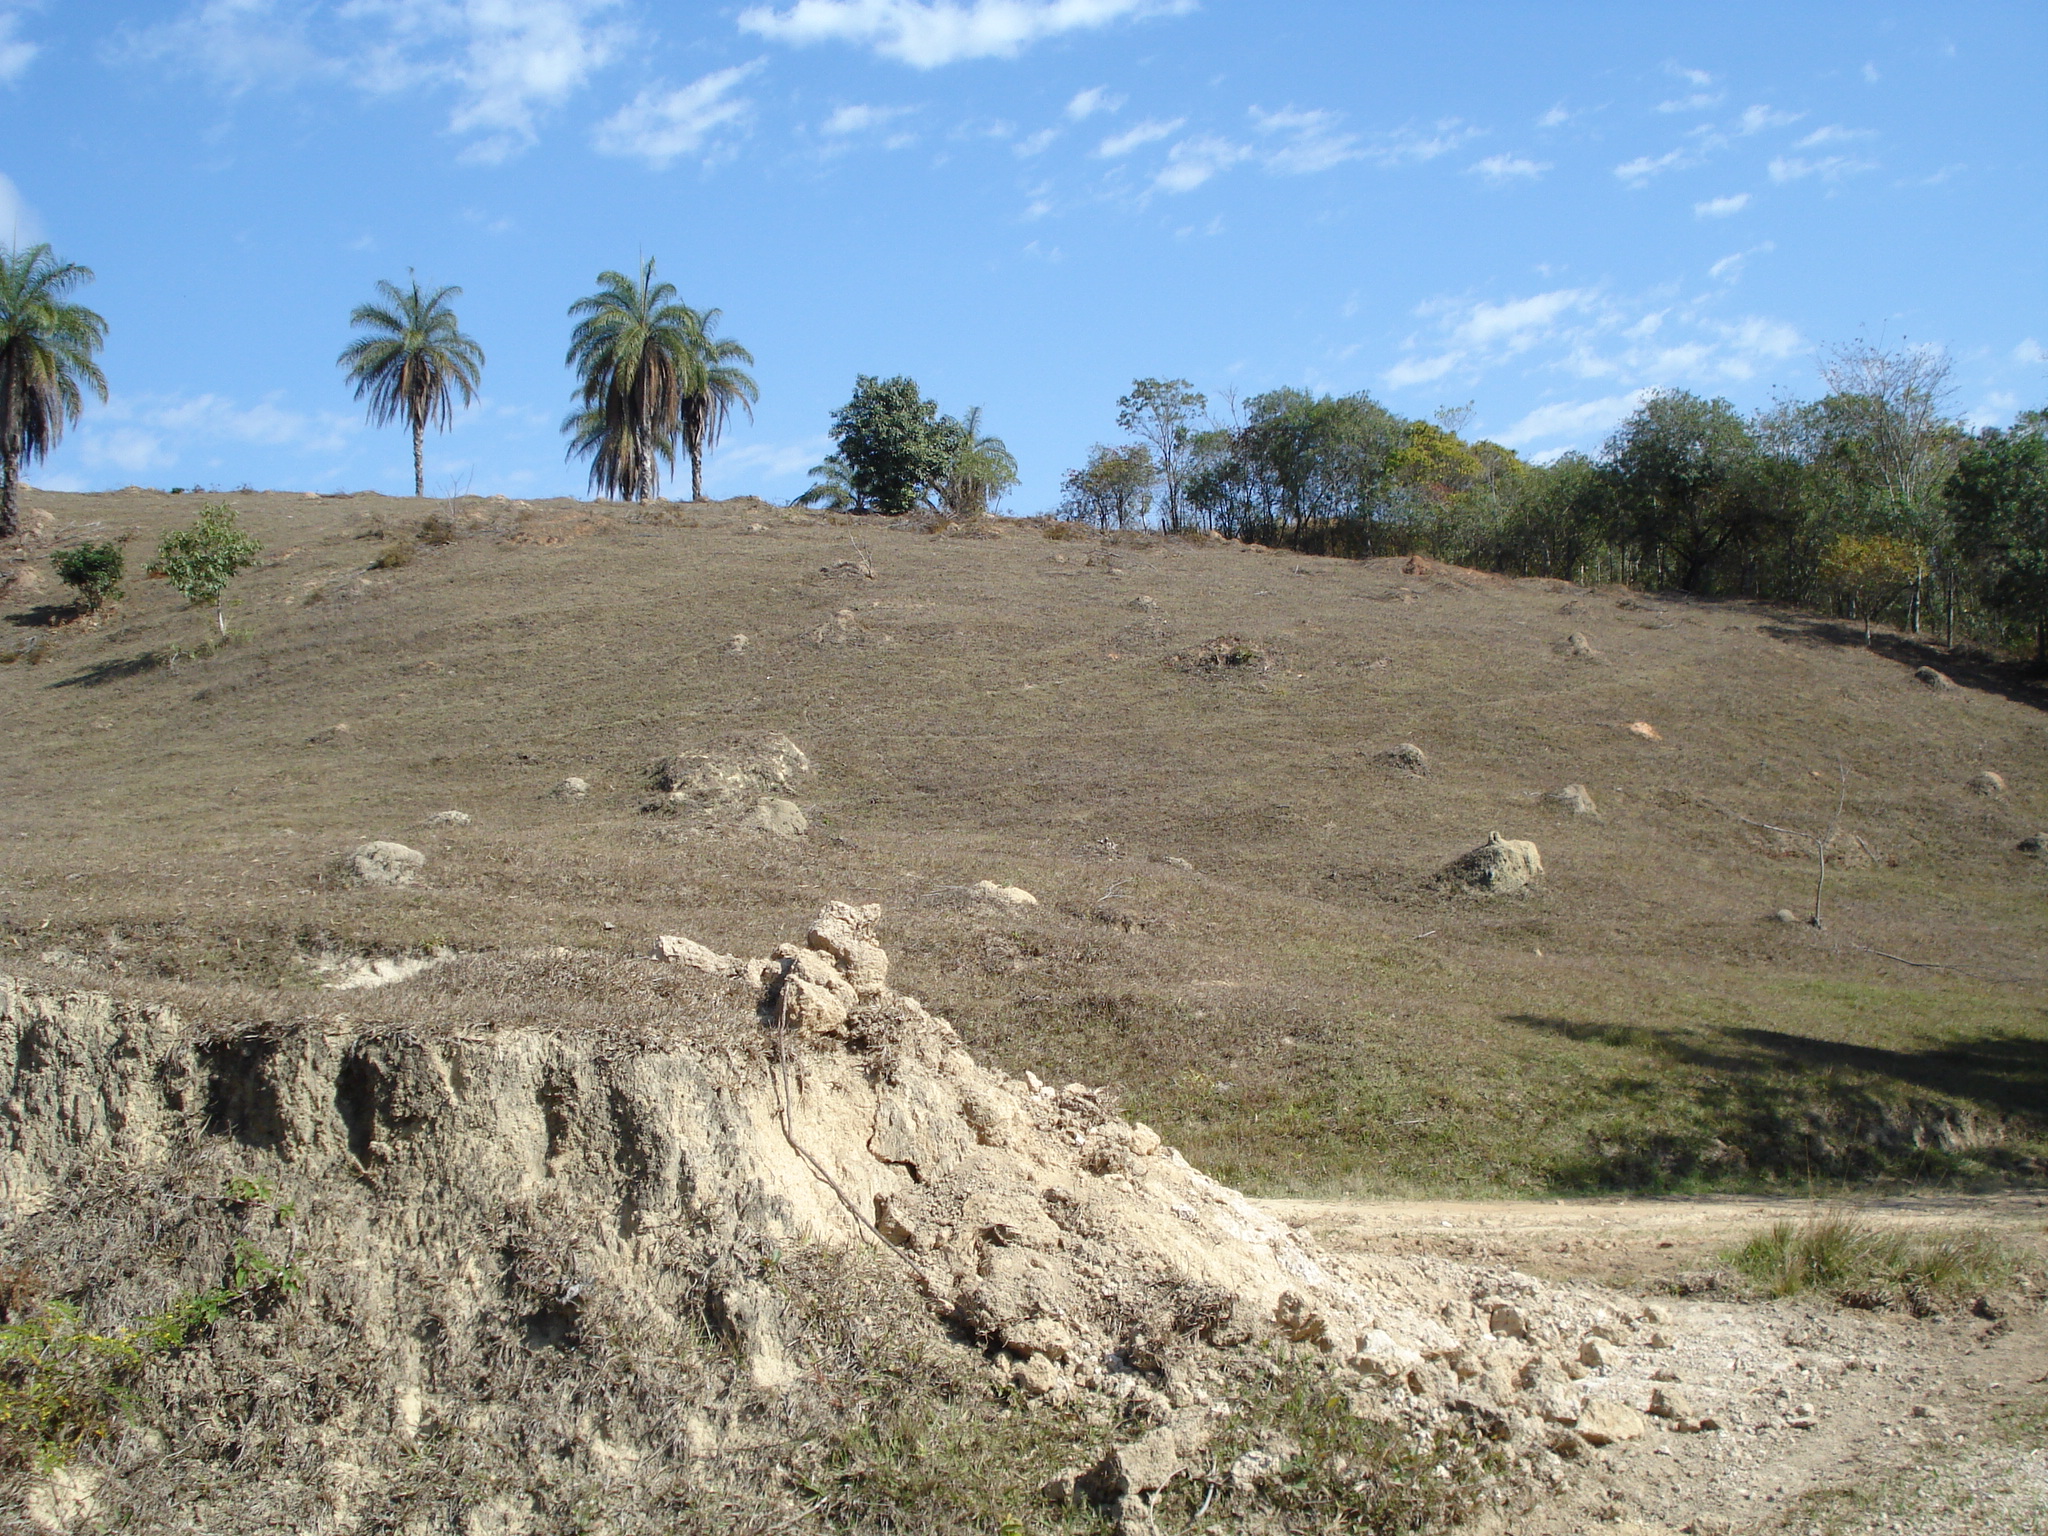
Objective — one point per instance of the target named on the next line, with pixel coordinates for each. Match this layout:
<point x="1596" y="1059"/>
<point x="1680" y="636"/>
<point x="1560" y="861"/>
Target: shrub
<point x="201" y="560"/>
<point x="94" y="570"/>
<point x="436" y="530"/>
<point x="1851" y="1258"/>
<point x="394" y="555"/>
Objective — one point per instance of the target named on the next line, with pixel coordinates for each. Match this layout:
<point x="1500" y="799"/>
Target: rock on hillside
<point x="464" y="1204"/>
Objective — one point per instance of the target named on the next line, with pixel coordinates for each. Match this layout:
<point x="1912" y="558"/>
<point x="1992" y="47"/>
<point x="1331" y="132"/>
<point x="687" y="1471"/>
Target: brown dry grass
<point x="1299" y="1010"/>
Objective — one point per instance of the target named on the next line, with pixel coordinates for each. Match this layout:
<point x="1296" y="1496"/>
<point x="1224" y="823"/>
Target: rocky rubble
<point x="1082" y="1257"/>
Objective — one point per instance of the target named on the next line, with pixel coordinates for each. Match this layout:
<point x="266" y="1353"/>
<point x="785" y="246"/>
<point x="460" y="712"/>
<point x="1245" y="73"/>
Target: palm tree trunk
<point x="419" y="459"/>
<point x="10" y="482"/>
<point x="696" y="476"/>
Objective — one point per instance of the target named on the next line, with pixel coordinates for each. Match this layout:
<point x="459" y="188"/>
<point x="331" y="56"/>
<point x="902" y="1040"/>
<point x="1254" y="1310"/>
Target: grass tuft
<point x="1850" y="1258"/>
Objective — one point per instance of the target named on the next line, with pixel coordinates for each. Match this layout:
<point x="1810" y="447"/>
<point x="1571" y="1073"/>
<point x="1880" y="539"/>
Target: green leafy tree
<point x="1998" y="497"/>
<point x="979" y="472"/>
<point x="1300" y="464"/>
<point x="201" y="560"/>
<point x="94" y="571"/>
<point x="1870" y="570"/>
<point x="717" y="382"/>
<point x="832" y="487"/>
<point x="46" y="363"/>
<point x="413" y="363"/>
<point x="635" y="349"/>
<point x="1161" y="414"/>
<point x="1114" y="488"/>
<point x="890" y="440"/>
<point x="1689" y="486"/>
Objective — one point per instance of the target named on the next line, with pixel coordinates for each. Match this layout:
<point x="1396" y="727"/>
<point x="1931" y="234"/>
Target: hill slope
<point x="1299" y="1007"/>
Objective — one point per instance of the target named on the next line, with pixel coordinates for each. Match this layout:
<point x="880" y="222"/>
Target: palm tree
<point x="833" y="490"/>
<point x="979" y="470"/>
<point x="718" y="382"/>
<point x="636" y="347"/>
<point x="413" y="363"/>
<point x="46" y="362"/>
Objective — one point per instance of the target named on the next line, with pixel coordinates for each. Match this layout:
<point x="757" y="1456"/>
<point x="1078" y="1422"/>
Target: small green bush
<point x="94" y="571"/>
<point x="394" y="555"/>
<point x="201" y="560"/>
<point x="436" y="531"/>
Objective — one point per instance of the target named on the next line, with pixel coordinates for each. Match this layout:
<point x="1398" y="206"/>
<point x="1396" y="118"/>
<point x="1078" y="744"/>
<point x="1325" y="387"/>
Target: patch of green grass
<point x="1844" y="1256"/>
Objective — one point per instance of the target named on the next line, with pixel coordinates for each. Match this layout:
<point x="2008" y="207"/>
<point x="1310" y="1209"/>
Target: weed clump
<point x="1860" y="1265"/>
<point x="395" y="555"/>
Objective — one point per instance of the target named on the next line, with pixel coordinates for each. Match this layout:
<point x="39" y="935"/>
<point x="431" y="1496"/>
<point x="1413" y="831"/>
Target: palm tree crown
<point x="46" y="362"/>
<point x="719" y="382"/>
<point x="413" y="363"/>
<point x="980" y="470"/>
<point x="634" y="347"/>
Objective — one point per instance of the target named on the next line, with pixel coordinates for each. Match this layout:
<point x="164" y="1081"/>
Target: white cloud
<point x="15" y="54"/>
<point x="770" y="462"/>
<point x="2030" y="351"/>
<point x="1650" y="341"/>
<point x="1310" y="140"/>
<point x="1641" y="170"/>
<point x="1193" y="161"/>
<point x="1757" y="119"/>
<point x="1037" y="143"/>
<point x="859" y="119"/>
<point x="1699" y="101"/>
<point x="1585" y="421"/>
<point x="1502" y="170"/>
<point x="1150" y="131"/>
<point x="1556" y="117"/>
<point x="506" y="61"/>
<point x="929" y="33"/>
<point x="1827" y="168"/>
<point x="1412" y="145"/>
<point x="1870" y="74"/>
<point x="659" y="126"/>
<point x="1834" y="133"/>
<point x="1729" y="268"/>
<point x="1721" y="207"/>
<point x="145" y="432"/>
<point x="1091" y="101"/>
<point x="19" y="225"/>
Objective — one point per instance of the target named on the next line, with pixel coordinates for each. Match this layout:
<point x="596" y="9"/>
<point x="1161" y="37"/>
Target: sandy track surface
<point x="1833" y="1420"/>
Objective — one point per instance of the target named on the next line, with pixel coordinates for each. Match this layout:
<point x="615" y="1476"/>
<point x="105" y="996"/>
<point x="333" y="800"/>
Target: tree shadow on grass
<point x="1966" y="669"/>
<point x="111" y="671"/>
<point x="45" y="616"/>
<point x="1750" y="1104"/>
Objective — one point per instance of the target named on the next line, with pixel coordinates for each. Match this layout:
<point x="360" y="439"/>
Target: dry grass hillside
<point x="1294" y="1002"/>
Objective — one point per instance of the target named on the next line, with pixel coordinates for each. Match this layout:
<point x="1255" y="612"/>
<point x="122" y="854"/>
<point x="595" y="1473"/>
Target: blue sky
<point x="1024" y="204"/>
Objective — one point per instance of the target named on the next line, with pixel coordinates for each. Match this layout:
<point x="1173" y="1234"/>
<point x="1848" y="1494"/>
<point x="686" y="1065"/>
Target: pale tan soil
<point x="1975" y="1463"/>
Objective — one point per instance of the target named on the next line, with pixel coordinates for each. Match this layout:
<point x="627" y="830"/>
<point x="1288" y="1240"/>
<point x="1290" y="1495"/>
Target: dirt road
<point x="1832" y="1420"/>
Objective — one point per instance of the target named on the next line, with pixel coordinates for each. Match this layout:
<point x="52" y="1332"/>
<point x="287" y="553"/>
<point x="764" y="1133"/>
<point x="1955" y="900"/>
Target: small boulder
<point x="1507" y="1322"/>
<point x="1576" y="799"/>
<point x="385" y="864"/>
<point x="2038" y="843"/>
<point x="571" y="788"/>
<point x="1940" y="682"/>
<point x="1644" y="729"/>
<point x="449" y="819"/>
<point x="1499" y="866"/>
<point x="22" y="583"/>
<point x="1172" y="862"/>
<point x="1013" y="896"/>
<point x="1603" y="1423"/>
<point x="1407" y="758"/>
<point x="1576" y="644"/>
<point x="698" y="957"/>
<point x="736" y="646"/>
<point x="1670" y="1403"/>
<point x="847" y="934"/>
<point x="1987" y="783"/>
<point x="1600" y="1354"/>
<point x="776" y="817"/>
<point x="1784" y="915"/>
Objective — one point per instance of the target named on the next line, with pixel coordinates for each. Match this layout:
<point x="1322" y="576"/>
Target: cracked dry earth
<point x="1832" y="1420"/>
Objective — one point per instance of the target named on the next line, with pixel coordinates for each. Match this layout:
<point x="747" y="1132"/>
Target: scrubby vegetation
<point x="1852" y="1259"/>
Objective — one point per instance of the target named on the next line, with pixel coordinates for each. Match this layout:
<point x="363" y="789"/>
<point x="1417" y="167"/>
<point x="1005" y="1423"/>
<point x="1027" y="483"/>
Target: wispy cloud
<point x="1644" y="169"/>
<point x="862" y="118"/>
<point x="1721" y="207"/>
<point x="1194" y="161"/>
<point x="1757" y="119"/>
<point x="508" y="62"/>
<point x="659" y="125"/>
<point x="929" y="33"/>
<point x="1584" y="422"/>
<point x="1700" y="99"/>
<point x="1827" y="168"/>
<point x="1650" y="341"/>
<point x="1308" y="141"/>
<point x="19" y="225"/>
<point x="135" y="434"/>
<point x="1556" y="117"/>
<point x="16" y="54"/>
<point x="2030" y="351"/>
<point x="1086" y="104"/>
<point x="1150" y="131"/>
<point x="1413" y="144"/>
<point x="1505" y="170"/>
<point x="1834" y="133"/>
<point x="1729" y="268"/>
